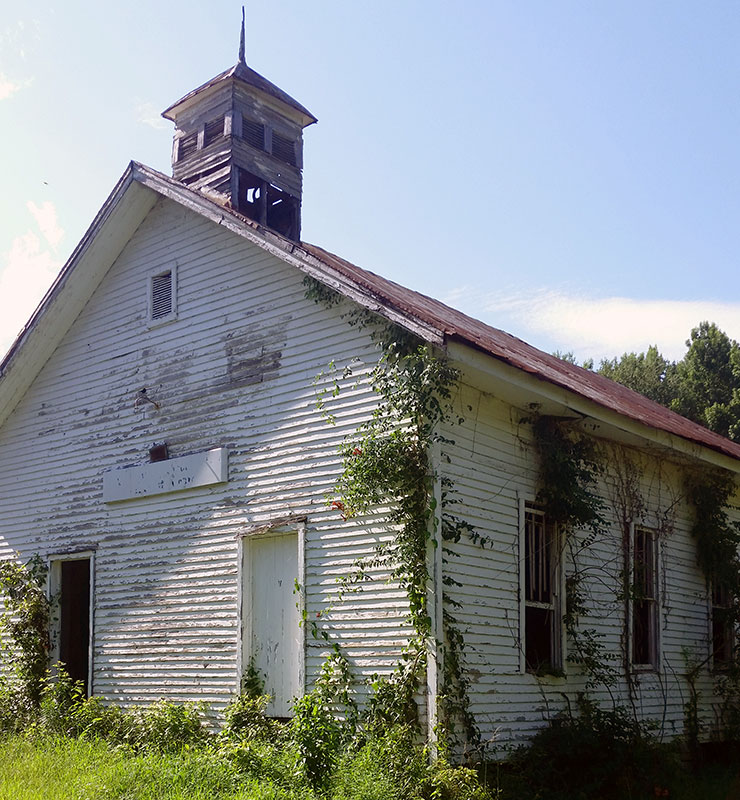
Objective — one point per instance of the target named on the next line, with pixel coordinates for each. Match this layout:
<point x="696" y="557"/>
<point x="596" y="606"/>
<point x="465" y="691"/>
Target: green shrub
<point x="456" y="783"/>
<point x="26" y="622"/>
<point x="166" y="727"/>
<point x="389" y="766"/>
<point x="395" y="766"/>
<point x="16" y="709"/>
<point x="61" y="697"/>
<point x="604" y="753"/>
<point x="318" y="735"/>
<point x="246" y="719"/>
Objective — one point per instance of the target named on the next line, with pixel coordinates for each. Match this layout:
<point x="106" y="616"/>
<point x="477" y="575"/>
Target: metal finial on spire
<point x="242" y="57"/>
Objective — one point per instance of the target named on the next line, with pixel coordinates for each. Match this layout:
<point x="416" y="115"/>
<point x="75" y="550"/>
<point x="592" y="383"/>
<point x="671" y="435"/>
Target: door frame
<point x="54" y="585"/>
<point x="283" y="526"/>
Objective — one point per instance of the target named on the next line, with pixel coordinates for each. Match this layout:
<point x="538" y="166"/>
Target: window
<point x="542" y="619"/>
<point x="162" y="296"/>
<point x="645" y="598"/>
<point x="723" y="631"/>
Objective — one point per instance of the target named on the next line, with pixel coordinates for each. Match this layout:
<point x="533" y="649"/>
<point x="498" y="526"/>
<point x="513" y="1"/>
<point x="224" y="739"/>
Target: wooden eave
<point x="501" y="355"/>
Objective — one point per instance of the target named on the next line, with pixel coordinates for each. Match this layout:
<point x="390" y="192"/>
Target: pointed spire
<point x="242" y="57"/>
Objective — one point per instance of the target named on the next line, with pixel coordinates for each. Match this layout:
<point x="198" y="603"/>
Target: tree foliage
<point x="703" y="386"/>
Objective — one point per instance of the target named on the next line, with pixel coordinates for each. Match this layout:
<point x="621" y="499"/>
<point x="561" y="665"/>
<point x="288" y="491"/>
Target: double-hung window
<point x="541" y="584"/>
<point x="645" y="597"/>
<point x="723" y="630"/>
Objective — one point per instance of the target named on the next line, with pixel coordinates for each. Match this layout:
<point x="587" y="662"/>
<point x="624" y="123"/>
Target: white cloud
<point x="598" y="327"/>
<point x="7" y="87"/>
<point x="46" y="218"/>
<point x="148" y="113"/>
<point x="26" y="272"/>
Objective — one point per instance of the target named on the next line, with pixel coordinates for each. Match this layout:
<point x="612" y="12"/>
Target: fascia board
<point x="522" y="389"/>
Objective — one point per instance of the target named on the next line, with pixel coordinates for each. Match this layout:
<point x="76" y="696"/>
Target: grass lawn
<point x="59" y="768"/>
<point x="72" y="769"/>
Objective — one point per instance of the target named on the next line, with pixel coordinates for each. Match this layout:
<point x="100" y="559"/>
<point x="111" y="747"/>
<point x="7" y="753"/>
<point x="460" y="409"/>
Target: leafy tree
<point x="647" y="373"/>
<point x="708" y="381"/>
<point x="703" y="386"/>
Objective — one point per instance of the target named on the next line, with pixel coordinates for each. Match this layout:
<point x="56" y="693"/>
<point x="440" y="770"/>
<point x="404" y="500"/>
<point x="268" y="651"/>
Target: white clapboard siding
<point x="492" y="465"/>
<point x="167" y="567"/>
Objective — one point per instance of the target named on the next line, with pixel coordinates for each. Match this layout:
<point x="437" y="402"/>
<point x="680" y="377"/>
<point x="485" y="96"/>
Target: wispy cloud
<point x="597" y="327"/>
<point x="8" y="87"/>
<point x="46" y="218"/>
<point x="27" y="270"/>
<point x="150" y="115"/>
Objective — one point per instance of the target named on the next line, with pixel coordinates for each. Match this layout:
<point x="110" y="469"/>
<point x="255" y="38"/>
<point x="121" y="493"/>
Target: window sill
<point x="555" y="676"/>
<point x="157" y="323"/>
<point x="644" y="668"/>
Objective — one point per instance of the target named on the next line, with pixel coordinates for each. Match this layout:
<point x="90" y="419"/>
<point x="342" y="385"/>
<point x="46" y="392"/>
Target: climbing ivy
<point x="717" y="538"/>
<point x="26" y="622"/>
<point x="568" y="472"/>
<point x="569" y="468"/>
<point x="386" y="462"/>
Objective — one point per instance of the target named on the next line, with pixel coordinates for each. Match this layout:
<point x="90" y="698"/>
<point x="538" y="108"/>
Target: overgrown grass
<point x="59" y="767"/>
<point x="45" y="767"/>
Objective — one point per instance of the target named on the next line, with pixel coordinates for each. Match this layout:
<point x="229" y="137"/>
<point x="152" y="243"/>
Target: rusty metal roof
<point x="447" y="322"/>
<point x="241" y="72"/>
<point x="517" y="353"/>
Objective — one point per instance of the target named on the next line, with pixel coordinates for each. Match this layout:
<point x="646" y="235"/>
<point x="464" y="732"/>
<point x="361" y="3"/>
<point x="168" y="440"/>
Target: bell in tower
<point x="240" y="137"/>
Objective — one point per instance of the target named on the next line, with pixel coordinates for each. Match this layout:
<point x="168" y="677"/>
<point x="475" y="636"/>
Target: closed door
<point x="274" y="636"/>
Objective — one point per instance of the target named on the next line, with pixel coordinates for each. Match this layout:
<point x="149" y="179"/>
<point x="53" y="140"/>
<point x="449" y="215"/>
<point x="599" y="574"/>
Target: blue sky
<point x="566" y="171"/>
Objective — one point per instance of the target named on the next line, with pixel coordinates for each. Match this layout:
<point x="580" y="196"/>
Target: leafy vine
<point x="569" y="468"/>
<point x="387" y="462"/>
<point x="717" y="540"/>
<point x="26" y="622"/>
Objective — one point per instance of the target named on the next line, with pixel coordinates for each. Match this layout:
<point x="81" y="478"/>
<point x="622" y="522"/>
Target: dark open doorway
<point x="74" y="618"/>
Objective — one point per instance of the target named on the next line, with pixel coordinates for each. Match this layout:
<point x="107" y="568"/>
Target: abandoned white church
<point x="170" y="427"/>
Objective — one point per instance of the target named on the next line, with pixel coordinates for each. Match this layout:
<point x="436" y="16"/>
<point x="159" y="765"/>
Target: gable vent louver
<point x="162" y="295"/>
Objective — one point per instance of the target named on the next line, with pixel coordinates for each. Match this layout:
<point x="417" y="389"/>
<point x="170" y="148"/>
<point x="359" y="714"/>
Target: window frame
<point x="720" y="665"/>
<point x="556" y="665"/>
<point x="652" y="599"/>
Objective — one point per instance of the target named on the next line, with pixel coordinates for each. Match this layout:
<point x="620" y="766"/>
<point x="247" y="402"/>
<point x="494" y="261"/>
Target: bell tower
<point x="239" y="137"/>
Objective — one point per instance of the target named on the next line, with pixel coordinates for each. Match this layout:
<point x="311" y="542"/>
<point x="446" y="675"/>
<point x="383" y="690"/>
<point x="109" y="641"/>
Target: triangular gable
<point x="137" y="192"/>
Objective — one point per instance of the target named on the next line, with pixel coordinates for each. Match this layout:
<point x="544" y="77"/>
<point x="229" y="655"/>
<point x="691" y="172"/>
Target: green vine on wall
<point x="26" y="622"/>
<point x="717" y="538"/>
<point x="387" y="463"/>
<point x="569" y="468"/>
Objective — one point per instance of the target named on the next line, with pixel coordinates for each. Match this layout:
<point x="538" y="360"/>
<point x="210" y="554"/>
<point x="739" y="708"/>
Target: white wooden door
<point x="274" y="635"/>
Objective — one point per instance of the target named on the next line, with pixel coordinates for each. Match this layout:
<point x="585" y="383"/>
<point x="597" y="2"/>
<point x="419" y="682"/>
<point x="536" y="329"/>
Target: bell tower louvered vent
<point x="253" y="133"/>
<point x="241" y="138"/>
